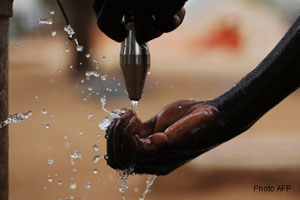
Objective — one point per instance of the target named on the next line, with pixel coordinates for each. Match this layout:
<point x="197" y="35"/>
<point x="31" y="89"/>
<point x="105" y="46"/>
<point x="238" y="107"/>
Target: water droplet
<point x="92" y="73"/>
<point x="51" y="12"/>
<point x="50" y="180"/>
<point x="44" y="111"/>
<point x="47" y="126"/>
<point x="97" y="158"/>
<point x="73" y="186"/>
<point x="90" y="88"/>
<point x="74" y="170"/>
<point x="75" y="155"/>
<point x="90" y="115"/>
<point x="179" y="107"/>
<point x="65" y="137"/>
<point x="79" y="48"/>
<point x="67" y="50"/>
<point x="16" y="46"/>
<point x="136" y="190"/>
<point x="149" y="73"/>
<point x="88" y="55"/>
<point x="59" y="183"/>
<point x="50" y="162"/>
<point x="95" y="171"/>
<point x="96" y="147"/>
<point x="46" y="21"/>
<point x="81" y="133"/>
<point x="103" y="58"/>
<point x="82" y="81"/>
<point x="53" y="33"/>
<point x="104" y="77"/>
<point x="44" y="188"/>
<point x="88" y="185"/>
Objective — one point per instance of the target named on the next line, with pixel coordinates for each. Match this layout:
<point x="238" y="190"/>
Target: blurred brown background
<point x="219" y="42"/>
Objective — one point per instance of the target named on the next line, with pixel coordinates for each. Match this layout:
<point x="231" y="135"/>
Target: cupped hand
<point x="153" y="17"/>
<point x="178" y="133"/>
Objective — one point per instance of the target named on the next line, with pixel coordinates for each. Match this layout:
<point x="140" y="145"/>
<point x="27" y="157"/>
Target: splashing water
<point x="123" y="175"/>
<point x="149" y="183"/>
<point x="114" y="114"/>
<point x="46" y="21"/>
<point x="92" y="73"/>
<point x="68" y="29"/>
<point x="104" y="124"/>
<point x="97" y="158"/>
<point x="18" y="117"/>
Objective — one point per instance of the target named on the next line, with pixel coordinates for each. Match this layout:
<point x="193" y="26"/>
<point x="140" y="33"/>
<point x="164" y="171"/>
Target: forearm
<point x="277" y="76"/>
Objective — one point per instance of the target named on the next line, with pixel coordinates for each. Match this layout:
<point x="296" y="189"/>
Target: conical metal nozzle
<point x="135" y="62"/>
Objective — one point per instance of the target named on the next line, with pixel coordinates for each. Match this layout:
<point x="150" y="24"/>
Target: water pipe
<point x="5" y="13"/>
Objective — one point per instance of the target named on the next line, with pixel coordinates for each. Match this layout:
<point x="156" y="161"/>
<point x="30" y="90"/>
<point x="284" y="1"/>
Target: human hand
<point x="180" y="132"/>
<point x="153" y="17"/>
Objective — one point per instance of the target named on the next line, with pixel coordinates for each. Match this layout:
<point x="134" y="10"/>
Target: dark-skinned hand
<point x="153" y="17"/>
<point x="178" y="133"/>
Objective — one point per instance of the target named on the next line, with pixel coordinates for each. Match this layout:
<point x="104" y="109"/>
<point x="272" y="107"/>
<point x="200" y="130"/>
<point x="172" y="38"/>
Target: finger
<point x="167" y="23"/>
<point x="110" y="20"/>
<point x="110" y="150"/>
<point x="121" y="158"/>
<point x="147" y="127"/>
<point x="131" y="142"/>
<point x="146" y="29"/>
<point x="97" y="5"/>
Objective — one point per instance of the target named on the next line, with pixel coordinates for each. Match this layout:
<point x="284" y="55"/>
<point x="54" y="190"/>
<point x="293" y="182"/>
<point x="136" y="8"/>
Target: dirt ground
<point x="36" y="86"/>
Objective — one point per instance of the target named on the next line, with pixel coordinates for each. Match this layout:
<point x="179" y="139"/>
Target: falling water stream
<point x="103" y="125"/>
<point x="124" y="174"/>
